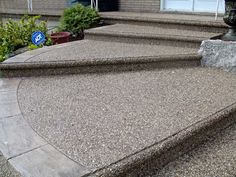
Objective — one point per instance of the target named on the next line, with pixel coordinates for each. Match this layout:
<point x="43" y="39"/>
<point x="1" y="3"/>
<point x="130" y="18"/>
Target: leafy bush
<point x="77" y="18"/>
<point x="17" y="34"/>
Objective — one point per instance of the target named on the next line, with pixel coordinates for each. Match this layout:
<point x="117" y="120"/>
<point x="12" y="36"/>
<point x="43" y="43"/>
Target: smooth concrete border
<point x="23" y="148"/>
<point x="26" y="69"/>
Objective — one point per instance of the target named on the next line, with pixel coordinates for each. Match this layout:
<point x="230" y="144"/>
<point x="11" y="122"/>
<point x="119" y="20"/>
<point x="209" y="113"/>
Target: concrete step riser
<point x="144" y="40"/>
<point x="213" y="29"/>
<point x="31" y="70"/>
<point x="161" y="154"/>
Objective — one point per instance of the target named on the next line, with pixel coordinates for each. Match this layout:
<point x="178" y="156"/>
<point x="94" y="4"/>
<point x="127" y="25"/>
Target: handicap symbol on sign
<point x="38" y="38"/>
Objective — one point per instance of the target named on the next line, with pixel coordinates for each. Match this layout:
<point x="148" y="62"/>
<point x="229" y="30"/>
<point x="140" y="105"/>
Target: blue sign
<point x="38" y="38"/>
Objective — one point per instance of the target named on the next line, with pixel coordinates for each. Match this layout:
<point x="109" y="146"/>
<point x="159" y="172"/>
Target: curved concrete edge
<point x="26" y="69"/>
<point x="187" y="42"/>
<point x="153" y="158"/>
<point x="23" y="148"/>
<point x="23" y="57"/>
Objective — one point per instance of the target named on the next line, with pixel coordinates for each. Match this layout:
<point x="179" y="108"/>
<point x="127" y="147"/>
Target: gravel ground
<point x="6" y="170"/>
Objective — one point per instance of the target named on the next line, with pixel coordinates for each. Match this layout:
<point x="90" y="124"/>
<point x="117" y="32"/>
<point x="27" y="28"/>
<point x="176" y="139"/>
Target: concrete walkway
<point x="106" y="108"/>
<point x="100" y="119"/>
<point x="92" y="122"/>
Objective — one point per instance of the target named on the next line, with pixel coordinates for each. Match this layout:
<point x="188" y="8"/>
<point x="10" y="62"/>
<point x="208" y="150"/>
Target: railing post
<point x="97" y="5"/>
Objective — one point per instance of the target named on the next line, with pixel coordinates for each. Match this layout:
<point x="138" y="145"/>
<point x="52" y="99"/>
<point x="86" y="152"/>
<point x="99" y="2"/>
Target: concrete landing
<point x="102" y="120"/>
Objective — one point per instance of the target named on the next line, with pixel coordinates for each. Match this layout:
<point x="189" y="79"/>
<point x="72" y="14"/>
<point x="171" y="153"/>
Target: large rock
<point x="218" y="53"/>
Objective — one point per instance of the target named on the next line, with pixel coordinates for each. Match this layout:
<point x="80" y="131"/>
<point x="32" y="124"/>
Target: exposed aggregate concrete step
<point x="168" y="21"/>
<point x="121" y="115"/>
<point x="149" y="35"/>
<point x="89" y="56"/>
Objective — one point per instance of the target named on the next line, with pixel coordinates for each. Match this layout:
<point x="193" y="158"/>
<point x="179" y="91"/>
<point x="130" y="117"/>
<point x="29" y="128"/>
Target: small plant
<point x="77" y="18"/>
<point x="33" y="47"/>
<point x="17" y="34"/>
<point x="49" y="42"/>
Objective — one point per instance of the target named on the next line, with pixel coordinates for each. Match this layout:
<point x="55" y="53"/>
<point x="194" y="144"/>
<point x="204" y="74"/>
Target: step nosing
<point x="103" y="61"/>
<point x="167" y="20"/>
<point x="65" y="68"/>
<point x="143" y="35"/>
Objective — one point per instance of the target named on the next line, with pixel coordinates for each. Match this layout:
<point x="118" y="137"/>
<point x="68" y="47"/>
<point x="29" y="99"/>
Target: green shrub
<point x="33" y="47"/>
<point x="17" y="34"/>
<point x="77" y="18"/>
<point x="49" y="42"/>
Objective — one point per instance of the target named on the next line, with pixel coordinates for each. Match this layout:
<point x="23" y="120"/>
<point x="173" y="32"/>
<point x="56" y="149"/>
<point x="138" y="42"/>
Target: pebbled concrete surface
<point x="166" y="16"/>
<point x="153" y="31"/>
<point x="6" y="170"/>
<point x="97" y="119"/>
<point x="215" y="158"/>
<point x="88" y="50"/>
<point x="22" y="151"/>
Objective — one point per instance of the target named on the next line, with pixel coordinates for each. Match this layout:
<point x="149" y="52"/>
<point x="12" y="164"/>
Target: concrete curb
<point x="25" y="69"/>
<point x="151" y="159"/>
